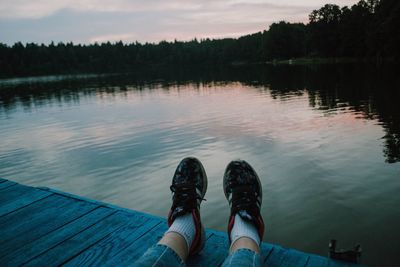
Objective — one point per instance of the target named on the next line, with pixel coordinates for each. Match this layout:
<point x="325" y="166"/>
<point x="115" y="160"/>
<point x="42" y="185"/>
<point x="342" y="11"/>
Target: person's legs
<point x="243" y="190"/>
<point x="177" y="243"/>
<point x="185" y="235"/>
<point x="161" y="256"/>
<point x="243" y="257"/>
<point x="245" y="242"/>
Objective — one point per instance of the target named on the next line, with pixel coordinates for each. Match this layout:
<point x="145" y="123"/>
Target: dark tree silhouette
<point x="285" y="40"/>
<point x="324" y="31"/>
<point x="368" y="30"/>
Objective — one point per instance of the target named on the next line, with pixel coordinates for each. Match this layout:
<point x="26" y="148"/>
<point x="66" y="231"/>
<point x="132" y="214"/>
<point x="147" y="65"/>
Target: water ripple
<point x="315" y="157"/>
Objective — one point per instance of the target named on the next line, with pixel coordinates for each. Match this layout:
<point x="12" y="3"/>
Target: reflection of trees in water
<point x="372" y="93"/>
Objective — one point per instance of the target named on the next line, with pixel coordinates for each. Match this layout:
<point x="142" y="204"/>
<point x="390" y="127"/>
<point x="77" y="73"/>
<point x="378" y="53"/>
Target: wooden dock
<point x="46" y="227"/>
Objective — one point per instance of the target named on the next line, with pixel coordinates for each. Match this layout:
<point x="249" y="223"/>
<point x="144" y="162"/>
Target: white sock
<point x="184" y="225"/>
<point x="243" y="228"/>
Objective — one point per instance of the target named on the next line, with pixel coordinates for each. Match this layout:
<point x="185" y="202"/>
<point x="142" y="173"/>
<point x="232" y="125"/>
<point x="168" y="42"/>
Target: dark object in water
<point x="353" y="255"/>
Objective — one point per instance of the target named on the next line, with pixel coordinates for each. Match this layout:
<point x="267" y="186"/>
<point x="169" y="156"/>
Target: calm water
<point x="325" y="142"/>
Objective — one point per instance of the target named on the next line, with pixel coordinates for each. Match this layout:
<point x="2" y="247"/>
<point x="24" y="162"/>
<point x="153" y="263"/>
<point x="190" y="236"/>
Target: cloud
<point x="41" y="8"/>
<point x="125" y="37"/>
<point x="151" y="20"/>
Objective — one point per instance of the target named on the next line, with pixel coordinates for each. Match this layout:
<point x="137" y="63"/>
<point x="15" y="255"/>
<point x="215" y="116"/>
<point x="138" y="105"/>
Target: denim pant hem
<point x="163" y="256"/>
<point x="243" y="257"/>
<point x="160" y="256"/>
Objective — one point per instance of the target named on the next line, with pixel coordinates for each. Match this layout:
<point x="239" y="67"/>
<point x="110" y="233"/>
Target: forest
<point x="366" y="31"/>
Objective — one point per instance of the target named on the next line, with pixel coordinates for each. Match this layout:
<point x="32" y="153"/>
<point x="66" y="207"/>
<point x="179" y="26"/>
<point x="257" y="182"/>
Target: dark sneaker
<point x="189" y="185"/>
<point x="243" y="190"/>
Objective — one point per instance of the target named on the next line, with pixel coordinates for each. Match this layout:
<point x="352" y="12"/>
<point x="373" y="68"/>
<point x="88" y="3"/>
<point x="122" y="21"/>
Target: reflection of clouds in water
<point x="122" y="146"/>
<point x="225" y="113"/>
<point x="252" y="112"/>
<point x="315" y="149"/>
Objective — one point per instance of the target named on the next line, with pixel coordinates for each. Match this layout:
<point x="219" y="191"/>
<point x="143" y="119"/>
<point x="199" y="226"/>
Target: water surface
<point x="325" y="142"/>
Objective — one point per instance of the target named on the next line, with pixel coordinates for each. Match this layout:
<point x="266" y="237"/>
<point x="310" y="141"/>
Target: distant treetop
<point x="369" y="29"/>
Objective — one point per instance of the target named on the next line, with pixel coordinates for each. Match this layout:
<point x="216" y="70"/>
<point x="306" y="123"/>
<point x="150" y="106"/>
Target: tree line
<point x="368" y="30"/>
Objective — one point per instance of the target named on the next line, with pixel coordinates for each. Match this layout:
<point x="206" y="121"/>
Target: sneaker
<point x="189" y="185"/>
<point x="243" y="190"/>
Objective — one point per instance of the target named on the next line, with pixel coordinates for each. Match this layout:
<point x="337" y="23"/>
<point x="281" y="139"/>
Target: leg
<point x="185" y="235"/>
<point x="177" y="242"/>
<point x="243" y="257"/>
<point x="245" y="242"/>
<point x="161" y="256"/>
<point x="243" y="190"/>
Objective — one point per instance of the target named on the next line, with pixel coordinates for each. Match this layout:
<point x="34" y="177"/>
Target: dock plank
<point x="38" y="219"/>
<point x="108" y="247"/>
<point x="13" y="191"/>
<point x="6" y="184"/>
<point x="14" y="203"/>
<point x="46" y="227"/>
<point x="41" y="245"/>
<point x="73" y="246"/>
<point x="136" y="249"/>
<point x="317" y="261"/>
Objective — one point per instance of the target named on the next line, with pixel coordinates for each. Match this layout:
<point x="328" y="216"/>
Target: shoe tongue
<point x="245" y="215"/>
<point x="178" y="211"/>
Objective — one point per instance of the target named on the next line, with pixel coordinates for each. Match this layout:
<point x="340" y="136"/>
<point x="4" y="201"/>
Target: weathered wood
<point x="11" y="202"/>
<point x="317" y="261"/>
<point x="6" y="184"/>
<point x="73" y="246"/>
<point x="45" y="227"/>
<point x="27" y="252"/>
<point x="13" y="191"/>
<point x="108" y="247"/>
<point x="136" y="249"/>
<point x="38" y="219"/>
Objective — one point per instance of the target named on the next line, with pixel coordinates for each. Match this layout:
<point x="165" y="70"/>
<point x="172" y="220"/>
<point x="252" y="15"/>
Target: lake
<point x="325" y="141"/>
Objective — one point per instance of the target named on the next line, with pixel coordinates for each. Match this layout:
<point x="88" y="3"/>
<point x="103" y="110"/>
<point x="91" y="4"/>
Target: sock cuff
<point x="242" y="228"/>
<point x="184" y="226"/>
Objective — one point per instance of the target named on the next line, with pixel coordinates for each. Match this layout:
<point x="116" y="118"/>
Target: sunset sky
<point x="88" y="21"/>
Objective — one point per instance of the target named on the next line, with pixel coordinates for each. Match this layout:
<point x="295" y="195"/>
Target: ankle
<point x="244" y="243"/>
<point x="244" y="234"/>
<point x="177" y="243"/>
<point x="184" y="226"/>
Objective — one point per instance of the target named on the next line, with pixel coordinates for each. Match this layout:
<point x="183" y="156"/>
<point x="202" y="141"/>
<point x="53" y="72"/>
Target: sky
<point x="89" y="21"/>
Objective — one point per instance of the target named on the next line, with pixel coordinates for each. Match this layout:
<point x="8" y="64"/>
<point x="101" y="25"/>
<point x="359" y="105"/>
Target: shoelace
<point x="185" y="196"/>
<point x="244" y="198"/>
